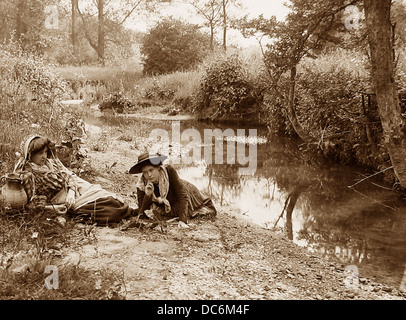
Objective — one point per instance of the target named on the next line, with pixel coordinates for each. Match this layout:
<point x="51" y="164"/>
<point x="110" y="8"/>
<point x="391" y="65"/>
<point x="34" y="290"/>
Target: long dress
<point x="182" y="198"/>
<point x="92" y="203"/>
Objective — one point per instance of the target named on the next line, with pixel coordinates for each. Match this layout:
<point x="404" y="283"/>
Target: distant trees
<point x="173" y="45"/>
<point x="216" y="14"/>
<point x="23" y="21"/>
<point x="210" y="11"/>
<point x="84" y="31"/>
<point x="307" y="28"/>
<point x="102" y="23"/>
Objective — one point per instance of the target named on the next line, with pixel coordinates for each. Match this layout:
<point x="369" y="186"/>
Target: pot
<point x="12" y="191"/>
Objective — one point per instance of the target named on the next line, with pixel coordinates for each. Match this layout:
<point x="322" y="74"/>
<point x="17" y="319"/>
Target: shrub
<point x="329" y="106"/>
<point x="227" y="90"/>
<point x="117" y="102"/>
<point x="173" y="45"/>
<point x="177" y="89"/>
<point x="28" y="101"/>
<point x="29" y="75"/>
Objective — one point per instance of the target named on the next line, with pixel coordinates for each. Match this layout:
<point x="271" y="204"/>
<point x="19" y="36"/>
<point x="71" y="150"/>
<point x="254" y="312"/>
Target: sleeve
<point x="180" y="203"/>
<point x="71" y="177"/>
<point x="144" y="201"/>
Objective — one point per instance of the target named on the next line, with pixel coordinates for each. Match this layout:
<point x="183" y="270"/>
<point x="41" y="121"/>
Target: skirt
<point x="198" y="204"/>
<point x="102" y="211"/>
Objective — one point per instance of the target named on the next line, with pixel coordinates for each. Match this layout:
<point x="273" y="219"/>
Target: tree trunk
<point x="291" y="108"/>
<point x="21" y="26"/>
<point x="224" y="24"/>
<point x="75" y="19"/>
<point x="100" y="41"/>
<point x="379" y="30"/>
<point x="211" y="36"/>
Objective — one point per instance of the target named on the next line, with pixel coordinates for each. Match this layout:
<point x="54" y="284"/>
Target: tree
<point x="111" y="15"/>
<point x="305" y="31"/>
<point x="211" y="11"/>
<point x="172" y="45"/>
<point x="225" y="4"/>
<point x="23" y="21"/>
<point x="75" y="26"/>
<point x="380" y="38"/>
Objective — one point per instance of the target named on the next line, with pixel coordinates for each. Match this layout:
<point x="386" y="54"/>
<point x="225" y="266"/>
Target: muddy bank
<point x="225" y="259"/>
<point x="229" y="258"/>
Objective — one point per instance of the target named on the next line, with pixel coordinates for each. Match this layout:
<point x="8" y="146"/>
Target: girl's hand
<point x="149" y="189"/>
<point x="182" y="225"/>
<point x="70" y="199"/>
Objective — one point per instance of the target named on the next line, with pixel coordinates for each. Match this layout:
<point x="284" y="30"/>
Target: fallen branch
<point x="370" y="176"/>
<point x="378" y="185"/>
<point x="374" y="200"/>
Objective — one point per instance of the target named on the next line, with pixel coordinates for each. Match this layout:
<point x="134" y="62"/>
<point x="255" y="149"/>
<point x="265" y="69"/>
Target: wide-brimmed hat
<point x="145" y="159"/>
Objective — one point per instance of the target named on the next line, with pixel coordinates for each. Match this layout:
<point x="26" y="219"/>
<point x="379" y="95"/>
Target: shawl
<point x="163" y="187"/>
<point x="55" y="176"/>
<point x="46" y="180"/>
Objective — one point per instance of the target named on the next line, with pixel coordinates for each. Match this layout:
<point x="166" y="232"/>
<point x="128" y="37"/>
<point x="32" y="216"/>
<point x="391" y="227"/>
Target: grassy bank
<point x="31" y="240"/>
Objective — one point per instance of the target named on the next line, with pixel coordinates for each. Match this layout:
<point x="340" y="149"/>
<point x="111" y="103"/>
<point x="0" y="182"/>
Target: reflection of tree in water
<point x="290" y="203"/>
<point x="226" y="177"/>
<point x="353" y="226"/>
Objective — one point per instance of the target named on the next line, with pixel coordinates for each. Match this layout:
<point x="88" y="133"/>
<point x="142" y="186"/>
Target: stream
<point x="307" y="198"/>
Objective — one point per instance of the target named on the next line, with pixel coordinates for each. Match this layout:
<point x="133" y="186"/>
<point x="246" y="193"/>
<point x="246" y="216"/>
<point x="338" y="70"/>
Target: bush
<point x="29" y="74"/>
<point x="28" y="101"/>
<point x="329" y="106"/>
<point x="117" y="102"/>
<point x="227" y="90"/>
<point x="177" y="89"/>
<point x="173" y="45"/>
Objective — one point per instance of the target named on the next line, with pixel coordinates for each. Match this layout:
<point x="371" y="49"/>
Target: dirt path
<point x="229" y="258"/>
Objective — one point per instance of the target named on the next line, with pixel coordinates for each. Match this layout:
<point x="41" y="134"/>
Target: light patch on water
<point x="246" y="139"/>
<point x="72" y="102"/>
<point x="92" y="129"/>
<point x="255" y="197"/>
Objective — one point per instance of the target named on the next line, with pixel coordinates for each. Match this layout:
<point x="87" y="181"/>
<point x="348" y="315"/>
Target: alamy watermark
<point x="237" y="143"/>
<point x="51" y="17"/>
<point x="352" y="17"/>
<point x="351" y="280"/>
<point x="52" y="281"/>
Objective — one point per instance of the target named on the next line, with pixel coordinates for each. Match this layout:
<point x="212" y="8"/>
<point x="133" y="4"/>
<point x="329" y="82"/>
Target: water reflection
<point x="309" y="200"/>
<point x="313" y="205"/>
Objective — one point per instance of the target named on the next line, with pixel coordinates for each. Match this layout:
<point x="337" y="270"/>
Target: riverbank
<point x="229" y="258"/>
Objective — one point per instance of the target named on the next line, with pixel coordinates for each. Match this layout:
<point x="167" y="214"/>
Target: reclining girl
<point x="44" y="175"/>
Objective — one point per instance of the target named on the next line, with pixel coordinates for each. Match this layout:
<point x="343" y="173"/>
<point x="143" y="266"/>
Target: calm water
<point x="306" y="198"/>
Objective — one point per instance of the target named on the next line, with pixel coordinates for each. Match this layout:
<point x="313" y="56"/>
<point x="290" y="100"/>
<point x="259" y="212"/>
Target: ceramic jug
<point x="12" y="191"/>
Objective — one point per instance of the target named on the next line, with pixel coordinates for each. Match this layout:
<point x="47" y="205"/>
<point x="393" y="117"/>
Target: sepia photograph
<point x="203" y="157"/>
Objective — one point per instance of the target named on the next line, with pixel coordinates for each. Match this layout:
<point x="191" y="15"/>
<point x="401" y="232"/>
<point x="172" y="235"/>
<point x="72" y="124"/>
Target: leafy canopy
<point x="173" y="45"/>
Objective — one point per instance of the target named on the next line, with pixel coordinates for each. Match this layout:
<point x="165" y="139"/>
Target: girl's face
<point x="150" y="173"/>
<point x="39" y="157"/>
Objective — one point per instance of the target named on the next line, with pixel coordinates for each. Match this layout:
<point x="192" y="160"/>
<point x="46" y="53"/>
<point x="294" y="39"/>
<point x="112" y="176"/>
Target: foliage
<point x="172" y="45"/>
<point x="29" y="74"/>
<point x="329" y="106"/>
<point x="32" y="241"/>
<point x="117" y="102"/>
<point x="27" y="26"/>
<point x="28" y="100"/>
<point x="175" y="90"/>
<point x="227" y="90"/>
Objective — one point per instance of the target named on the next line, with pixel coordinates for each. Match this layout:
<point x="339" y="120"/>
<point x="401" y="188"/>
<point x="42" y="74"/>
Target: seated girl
<point x="46" y="176"/>
<point x="162" y="192"/>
